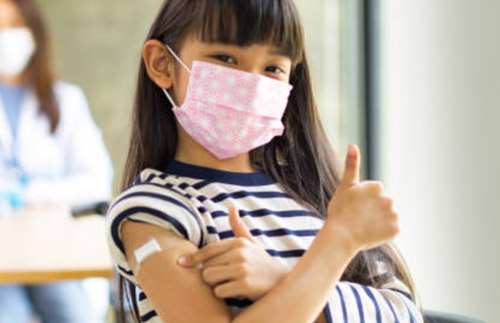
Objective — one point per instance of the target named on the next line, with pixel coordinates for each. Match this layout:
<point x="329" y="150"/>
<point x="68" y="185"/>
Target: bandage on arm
<point x="145" y="251"/>
<point x="171" y="289"/>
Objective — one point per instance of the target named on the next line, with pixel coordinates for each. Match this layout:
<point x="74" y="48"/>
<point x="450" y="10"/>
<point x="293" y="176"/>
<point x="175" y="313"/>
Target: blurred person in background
<point x="51" y="152"/>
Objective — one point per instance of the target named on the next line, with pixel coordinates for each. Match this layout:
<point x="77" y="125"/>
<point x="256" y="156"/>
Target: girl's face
<point x="167" y="73"/>
<point x="10" y="16"/>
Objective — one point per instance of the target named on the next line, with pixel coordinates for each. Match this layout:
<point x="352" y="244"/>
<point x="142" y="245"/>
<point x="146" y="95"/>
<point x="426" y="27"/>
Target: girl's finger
<point x="204" y="253"/>
<point x="230" y="257"/>
<point x="234" y="288"/>
<point x="352" y="164"/>
<point x="210" y="251"/>
<point x="218" y="274"/>
<point x="239" y="228"/>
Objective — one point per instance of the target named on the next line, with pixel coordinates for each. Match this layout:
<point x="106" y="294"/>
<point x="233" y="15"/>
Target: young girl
<point x="234" y="209"/>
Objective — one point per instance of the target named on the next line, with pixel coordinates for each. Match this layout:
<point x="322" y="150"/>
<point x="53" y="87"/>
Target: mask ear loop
<point x="178" y="59"/>
<point x="183" y="65"/>
<point x="169" y="98"/>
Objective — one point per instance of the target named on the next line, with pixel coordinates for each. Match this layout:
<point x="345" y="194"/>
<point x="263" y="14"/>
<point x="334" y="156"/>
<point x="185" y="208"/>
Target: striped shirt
<point x="194" y="201"/>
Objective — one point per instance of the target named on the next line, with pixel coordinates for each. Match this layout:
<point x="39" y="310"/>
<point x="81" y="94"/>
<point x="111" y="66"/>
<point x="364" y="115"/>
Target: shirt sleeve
<point x="391" y="302"/>
<point x="156" y="204"/>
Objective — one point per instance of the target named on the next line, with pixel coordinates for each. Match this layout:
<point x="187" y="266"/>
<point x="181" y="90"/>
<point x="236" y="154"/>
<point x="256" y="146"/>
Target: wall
<point x="97" y="46"/>
<point x="441" y="84"/>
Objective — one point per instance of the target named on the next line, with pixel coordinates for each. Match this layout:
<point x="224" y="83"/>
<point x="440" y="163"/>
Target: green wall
<point x="97" y="46"/>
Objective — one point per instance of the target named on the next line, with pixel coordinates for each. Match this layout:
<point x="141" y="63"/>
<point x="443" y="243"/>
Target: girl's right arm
<point x="360" y="217"/>
<point x="177" y="294"/>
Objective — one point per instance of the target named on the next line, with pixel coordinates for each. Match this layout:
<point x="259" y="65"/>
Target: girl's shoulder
<point x="148" y="175"/>
<point x="151" y="184"/>
<point x="154" y="199"/>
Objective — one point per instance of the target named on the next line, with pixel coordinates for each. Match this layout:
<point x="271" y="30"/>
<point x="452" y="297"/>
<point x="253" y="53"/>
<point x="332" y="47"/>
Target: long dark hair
<point x="39" y="72"/>
<point x="301" y="160"/>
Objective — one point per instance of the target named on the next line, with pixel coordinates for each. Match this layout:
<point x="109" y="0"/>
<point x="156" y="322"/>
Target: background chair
<point x="441" y="317"/>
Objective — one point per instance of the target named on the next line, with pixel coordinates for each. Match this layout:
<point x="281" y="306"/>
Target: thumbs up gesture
<point x="239" y="228"/>
<point x="361" y="209"/>
<point x="237" y="267"/>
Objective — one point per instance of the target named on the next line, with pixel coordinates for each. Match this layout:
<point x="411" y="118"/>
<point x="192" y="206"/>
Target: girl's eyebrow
<point x="218" y="45"/>
<point x="280" y="54"/>
<point x="276" y="51"/>
<point x="273" y="52"/>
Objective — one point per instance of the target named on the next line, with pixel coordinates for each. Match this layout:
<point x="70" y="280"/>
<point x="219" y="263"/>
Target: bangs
<point x="246" y="22"/>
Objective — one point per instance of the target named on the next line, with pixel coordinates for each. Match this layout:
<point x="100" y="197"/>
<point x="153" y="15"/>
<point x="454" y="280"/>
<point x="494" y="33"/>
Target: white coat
<point x="72" y="165"/>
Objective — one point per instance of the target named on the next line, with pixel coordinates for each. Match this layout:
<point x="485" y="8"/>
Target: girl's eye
<point x="275" y="69"/>
<point x="225" y="59"/>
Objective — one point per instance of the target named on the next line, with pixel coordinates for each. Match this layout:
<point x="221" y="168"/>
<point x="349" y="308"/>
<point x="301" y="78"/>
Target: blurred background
<point x="415" y="83"/>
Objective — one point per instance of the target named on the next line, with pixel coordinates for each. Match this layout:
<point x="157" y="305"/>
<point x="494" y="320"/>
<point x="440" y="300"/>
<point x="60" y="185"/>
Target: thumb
<point x="239" y="228"/>
<point x="352" y="162"/>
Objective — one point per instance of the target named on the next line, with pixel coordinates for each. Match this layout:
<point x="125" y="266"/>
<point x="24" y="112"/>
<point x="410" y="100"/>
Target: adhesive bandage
<point x="145" y="251"/>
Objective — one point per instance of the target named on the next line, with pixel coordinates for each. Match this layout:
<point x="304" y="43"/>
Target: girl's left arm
<point x="237" y="269"/>
<point x="241" y="270"/>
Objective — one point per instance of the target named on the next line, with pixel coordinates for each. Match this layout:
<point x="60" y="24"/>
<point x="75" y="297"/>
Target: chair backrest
<point x="441" y="317"/>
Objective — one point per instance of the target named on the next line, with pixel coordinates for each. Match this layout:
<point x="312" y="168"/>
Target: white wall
<point x="441" y="153"/>
<point x="322" y="24"/>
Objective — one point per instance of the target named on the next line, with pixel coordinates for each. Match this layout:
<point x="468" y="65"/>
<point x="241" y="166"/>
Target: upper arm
<point x="177" y="294"/>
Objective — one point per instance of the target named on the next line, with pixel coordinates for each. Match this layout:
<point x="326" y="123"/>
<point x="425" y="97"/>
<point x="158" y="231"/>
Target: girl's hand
<point x="361" y="211"/>
<point x="237" y="267"/>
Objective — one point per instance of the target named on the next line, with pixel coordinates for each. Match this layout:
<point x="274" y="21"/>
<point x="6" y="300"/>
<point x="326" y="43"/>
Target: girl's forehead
<point x="245" y="23"/>
<point x="195" y="42"/>
<point x="253" y="46"/>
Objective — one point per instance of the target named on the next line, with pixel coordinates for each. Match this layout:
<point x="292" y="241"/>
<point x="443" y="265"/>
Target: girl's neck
<point x="191" y="152"/>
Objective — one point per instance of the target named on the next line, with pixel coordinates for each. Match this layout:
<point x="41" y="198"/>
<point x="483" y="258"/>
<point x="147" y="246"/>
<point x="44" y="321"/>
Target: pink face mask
<point x="229" y="111"/>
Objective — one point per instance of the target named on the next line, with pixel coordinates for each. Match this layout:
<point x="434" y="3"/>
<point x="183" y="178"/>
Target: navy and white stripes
<point x="194" y="201"/>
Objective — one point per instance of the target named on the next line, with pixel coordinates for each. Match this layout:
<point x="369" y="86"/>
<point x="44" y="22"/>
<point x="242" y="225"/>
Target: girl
<point x="229" y="216"/>
<point x="51" y="151"/>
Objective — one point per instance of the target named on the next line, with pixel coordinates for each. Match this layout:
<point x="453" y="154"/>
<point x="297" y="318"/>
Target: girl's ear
<point x="159" y="63"/>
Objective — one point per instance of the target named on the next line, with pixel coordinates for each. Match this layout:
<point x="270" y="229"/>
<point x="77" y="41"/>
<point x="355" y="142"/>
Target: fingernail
<point x="350" y="151"/>
<point x="183" y="260"/>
